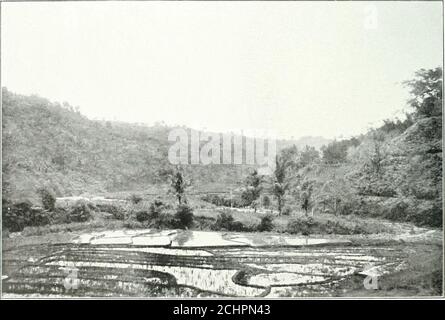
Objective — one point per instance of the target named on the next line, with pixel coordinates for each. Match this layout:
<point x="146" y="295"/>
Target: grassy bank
<point x="422" y="275"/>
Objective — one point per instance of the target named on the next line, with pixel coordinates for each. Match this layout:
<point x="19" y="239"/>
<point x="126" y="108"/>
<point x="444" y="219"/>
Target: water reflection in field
<point x="197" y="263"/>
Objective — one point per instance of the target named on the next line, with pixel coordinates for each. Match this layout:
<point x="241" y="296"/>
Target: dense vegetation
<point x="49" y="150"/>
<point x="394" y="171"/>
<point x="51" y="145"/>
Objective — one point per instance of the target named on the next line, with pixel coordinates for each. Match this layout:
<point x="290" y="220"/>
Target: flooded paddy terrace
<point x="151" y="263"/>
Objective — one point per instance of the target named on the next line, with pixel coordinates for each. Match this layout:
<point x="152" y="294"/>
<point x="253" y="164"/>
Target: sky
<point x="330" y="69"/>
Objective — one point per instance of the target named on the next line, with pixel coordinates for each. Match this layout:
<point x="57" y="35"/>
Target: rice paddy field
<point x="180" y="263"/>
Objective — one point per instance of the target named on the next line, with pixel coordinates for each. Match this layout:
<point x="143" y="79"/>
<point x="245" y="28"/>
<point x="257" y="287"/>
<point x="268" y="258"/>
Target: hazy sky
<point x="311" y="68"/>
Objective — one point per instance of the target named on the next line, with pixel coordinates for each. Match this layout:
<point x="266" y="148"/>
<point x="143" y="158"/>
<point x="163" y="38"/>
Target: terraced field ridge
<point x="150" y="263"/>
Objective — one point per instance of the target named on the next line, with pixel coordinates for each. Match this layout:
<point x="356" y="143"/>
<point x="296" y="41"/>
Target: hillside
<point x="52" y="145"/>
<point x="394" y="171"/>
<point x="404" y="182"/>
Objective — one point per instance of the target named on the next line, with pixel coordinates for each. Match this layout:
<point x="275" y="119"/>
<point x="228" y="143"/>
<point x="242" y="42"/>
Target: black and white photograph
<point x="222" y="150"/>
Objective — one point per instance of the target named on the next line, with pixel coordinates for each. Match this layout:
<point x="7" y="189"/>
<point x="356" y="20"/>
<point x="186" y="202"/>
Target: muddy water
<point x="198" y="263"/>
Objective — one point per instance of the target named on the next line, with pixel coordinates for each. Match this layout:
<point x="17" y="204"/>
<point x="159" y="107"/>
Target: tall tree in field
<point x="279" y="185"/>
<point x="179" y="185"/>
<point x="253" y="189"/>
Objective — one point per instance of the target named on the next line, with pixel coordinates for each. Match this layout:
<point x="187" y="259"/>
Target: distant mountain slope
<point x="52" y="145"/>
<point x="316" y="142"/>
<point x="408" y="164"/>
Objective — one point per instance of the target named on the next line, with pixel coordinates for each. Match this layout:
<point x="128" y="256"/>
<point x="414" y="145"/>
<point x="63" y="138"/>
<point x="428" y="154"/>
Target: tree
<point x="178" y="185"/>
<point x="334" y="195"/>
<point x="266" y="223"/>
<point x="253" y="189"/>
<point x="290" y="156"/>
<point x="337" y="151"/>
<point x="80" y="212"/>
<point x="306" y="195"/>
<point x="279" y="184"/>
<point x="48" y="199"/>
<point x="266" y="201"/>
<point x="426" y="91"/>
<point x="378" y="154"/>
<point x="397" y="125"/>
<point x="308" y="155"/>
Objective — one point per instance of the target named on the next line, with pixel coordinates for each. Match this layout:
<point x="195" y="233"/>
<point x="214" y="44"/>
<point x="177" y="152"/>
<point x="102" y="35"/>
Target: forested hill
<point x="51" y="145"/>
<point x="393" y="171"/>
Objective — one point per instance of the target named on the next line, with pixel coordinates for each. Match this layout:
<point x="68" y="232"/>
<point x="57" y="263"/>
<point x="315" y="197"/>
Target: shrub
<point x="117" y="211"/>
<point x="266" y="201"/>
<point x="142" y="216"/>
<point x="204" y="223"/>
<point x="349" y="206"/>
<point x="154" y="211"/>
<point x="336" y="227"/>
<point x="300" y="226"/>
<point x="266" y="223"/>
<point x="38" y="217"/>
<point x="222" y="201"/>
<point x="60" y="215"/>
<point x="80" y="212"/>
<point x="156" y="208"/>
<point x="225" y="221"/>
<point x="20" y="215"/>
<point x="286" y="211"/>
<point x="48" y="199"/>
<point x="397" y="211"/>
<point x="184" y="216"/>
<point x="14" y="216"/>
<point x="164" y="221"/>
<point x="238" y="226"/>
<point x="131" y="224"/>
<point x="309" y="225"/>
<point x="135" y="199"/>
<point x="430" y="216"/>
